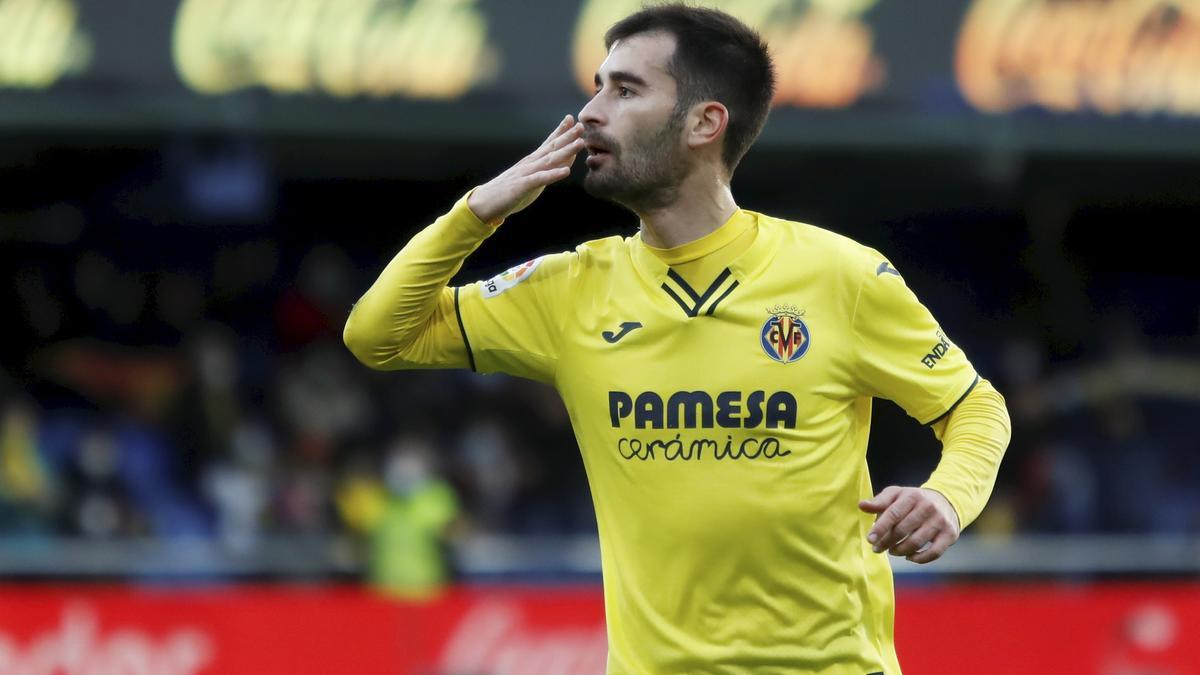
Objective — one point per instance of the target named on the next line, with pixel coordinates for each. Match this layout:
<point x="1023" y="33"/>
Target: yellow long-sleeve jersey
<point x="722" y="407"/>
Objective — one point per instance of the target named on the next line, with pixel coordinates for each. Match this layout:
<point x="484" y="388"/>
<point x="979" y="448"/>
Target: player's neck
<point x="701" y="205"/>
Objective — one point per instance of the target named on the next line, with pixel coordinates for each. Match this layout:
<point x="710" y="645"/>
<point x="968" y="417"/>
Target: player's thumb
<point x="880" y="502"/>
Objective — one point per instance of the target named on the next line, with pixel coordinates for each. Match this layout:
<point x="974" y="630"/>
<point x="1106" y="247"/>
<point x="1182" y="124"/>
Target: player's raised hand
<point x="917" y="523"/>
<point x="517" y="187"/>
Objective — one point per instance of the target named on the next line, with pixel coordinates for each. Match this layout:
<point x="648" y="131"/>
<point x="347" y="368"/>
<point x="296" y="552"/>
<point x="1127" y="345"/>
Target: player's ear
<point x="706" y="123"/>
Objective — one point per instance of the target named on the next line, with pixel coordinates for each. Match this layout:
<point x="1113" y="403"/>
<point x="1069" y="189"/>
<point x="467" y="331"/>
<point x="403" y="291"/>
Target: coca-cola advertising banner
<point x="1067" y="74"/>
<point x="1001" y="629"/>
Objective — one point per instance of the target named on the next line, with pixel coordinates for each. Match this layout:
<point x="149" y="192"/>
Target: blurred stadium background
<point x="196" y="477"/>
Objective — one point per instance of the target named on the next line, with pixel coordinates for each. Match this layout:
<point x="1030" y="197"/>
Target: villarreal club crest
<point x="785" y="336"/>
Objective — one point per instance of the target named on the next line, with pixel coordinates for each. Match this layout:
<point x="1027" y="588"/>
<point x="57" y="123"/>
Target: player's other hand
<point x="917" y="523"/>
<point x="517" y="187"/>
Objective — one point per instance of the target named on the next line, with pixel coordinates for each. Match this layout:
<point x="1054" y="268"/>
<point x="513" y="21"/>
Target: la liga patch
<point x="509" y="278"/>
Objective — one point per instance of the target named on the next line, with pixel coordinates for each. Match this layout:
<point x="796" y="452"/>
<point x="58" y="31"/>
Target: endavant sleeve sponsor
<point x="901" y="353"/>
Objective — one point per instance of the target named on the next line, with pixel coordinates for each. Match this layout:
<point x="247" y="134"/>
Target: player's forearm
<point x="974" y="437"/>
<point x="406" y="318"/>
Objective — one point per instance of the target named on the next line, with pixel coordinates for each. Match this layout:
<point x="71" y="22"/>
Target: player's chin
<point x="599" y="184"/>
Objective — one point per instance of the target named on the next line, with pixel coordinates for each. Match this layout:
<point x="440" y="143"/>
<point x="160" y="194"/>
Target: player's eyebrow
<point x="621" y="76"/>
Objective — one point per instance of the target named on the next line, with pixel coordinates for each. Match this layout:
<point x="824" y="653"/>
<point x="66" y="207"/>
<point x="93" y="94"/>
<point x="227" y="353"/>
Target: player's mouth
<point x="596" y="153"/>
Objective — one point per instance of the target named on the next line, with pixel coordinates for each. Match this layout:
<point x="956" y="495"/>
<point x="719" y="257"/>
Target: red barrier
<point x="1131" y="629"/>
<point x="1101" y="630"/>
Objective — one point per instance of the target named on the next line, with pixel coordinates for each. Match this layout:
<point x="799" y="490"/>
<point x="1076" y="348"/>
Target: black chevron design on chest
<point x="695" y="301"/>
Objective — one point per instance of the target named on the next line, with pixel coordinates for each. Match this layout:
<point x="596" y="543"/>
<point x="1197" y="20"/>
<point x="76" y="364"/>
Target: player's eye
<point x="624" y="92"/>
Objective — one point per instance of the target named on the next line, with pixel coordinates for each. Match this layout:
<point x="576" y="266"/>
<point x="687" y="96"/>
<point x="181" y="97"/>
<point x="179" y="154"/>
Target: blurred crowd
<point x="259" y="422"/>
<point x="192" y="383"/>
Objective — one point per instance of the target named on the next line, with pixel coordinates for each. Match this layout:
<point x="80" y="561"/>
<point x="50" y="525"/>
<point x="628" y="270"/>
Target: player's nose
<point x="591" y="113"/>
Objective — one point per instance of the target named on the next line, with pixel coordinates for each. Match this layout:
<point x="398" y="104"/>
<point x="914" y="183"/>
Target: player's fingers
<point x="567" y="135"/>
<point x="545" y="177"/>
<point x="565" y="124"/>
<point x="880" y="501"/>
<point x="882" y="535"/>
<point x="935" y="550"/>
<point x="922" y="512"/>
<point x="564" y="155"/>
<point x="537" y="158"/>
<point x="920" y="537"/>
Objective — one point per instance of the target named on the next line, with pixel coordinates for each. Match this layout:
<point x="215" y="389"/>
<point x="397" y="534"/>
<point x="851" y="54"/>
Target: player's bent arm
<point x="407" y="319"/>
<point x="404" y="320"/>
<point x="921" y="523"/>
<point x="974" y="437"/>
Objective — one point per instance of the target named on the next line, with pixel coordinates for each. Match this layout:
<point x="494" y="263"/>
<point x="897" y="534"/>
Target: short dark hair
<point x="717" y="58"/>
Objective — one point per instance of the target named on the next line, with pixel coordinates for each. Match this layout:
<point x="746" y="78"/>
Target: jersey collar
<point x="745" y="267"/>
<point x="738" y="223"/>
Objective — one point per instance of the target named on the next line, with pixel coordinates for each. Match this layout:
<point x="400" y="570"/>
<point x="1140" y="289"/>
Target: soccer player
<point x="718" y="368"/>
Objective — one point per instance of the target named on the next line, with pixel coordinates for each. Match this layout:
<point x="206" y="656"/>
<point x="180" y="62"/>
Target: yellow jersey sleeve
<point x="512" y="322"/>
<point x="408" y="318"/>
<point x="974" y="438"/>
<point x="901" y="352"/>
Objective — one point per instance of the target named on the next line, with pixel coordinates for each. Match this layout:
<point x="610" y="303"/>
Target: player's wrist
<point x="947" y="506"/>
<point x="483" y="209"/>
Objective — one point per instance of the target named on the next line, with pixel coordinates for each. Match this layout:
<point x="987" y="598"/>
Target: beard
<point x="643" y="173"/>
